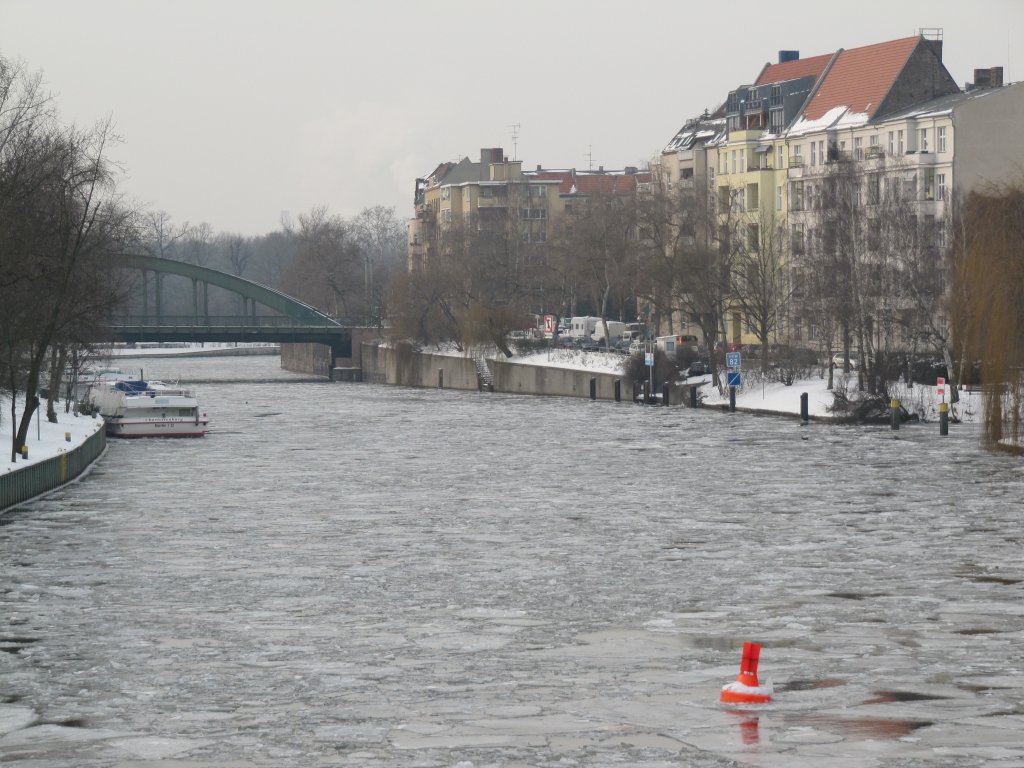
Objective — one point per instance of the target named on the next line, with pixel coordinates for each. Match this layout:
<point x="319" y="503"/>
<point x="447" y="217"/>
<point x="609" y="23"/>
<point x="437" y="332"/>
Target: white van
<point x="583" y="327"/>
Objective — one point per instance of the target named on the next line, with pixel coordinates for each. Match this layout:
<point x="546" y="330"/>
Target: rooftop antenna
<point x="515" y="139"/>
<point x="590" y="157"/>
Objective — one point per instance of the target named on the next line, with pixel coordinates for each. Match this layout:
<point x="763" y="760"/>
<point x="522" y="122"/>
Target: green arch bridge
<point x="294" y="321"/>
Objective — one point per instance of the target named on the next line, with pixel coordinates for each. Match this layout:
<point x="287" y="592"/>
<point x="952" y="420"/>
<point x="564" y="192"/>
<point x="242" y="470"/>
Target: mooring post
<point x="732" y="399"/>
<point x="618" y="390"/>
<point x="593" y="389"/>
<point x="804" y="415"/>
<point x="943" y="418"/>
<point x="440" y="378"/>
<point x="664" y="393"/>
<point x="693" y="396"/>
<point x="894" y="406"/>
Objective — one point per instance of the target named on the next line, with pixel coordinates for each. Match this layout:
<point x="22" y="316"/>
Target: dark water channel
<point x="355" y="575"/>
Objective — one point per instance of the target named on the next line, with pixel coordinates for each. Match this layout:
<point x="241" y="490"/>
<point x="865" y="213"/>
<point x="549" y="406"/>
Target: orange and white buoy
<point x="746" y="689"/>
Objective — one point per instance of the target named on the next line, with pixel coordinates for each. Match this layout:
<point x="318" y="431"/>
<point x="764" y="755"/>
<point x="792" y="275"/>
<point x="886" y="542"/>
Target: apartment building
<point x="492" y="194"/>
<point x="495" y="193"/>
<point x="890" y="113"/>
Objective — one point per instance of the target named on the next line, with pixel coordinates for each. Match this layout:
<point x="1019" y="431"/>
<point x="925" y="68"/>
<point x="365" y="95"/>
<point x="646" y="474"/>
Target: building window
<point x="533" y="213"/>
<point x="929" y="183"/>
<point x="743" y="160"/>
<point x="821" y="151"/>
<point x="814" y="153"/>
<point x="778" y="198"/>
<point x="780" y="164"/>
<point x="858" y="148"/>
<point x="873" y="141"/>
<point x="796" y="158"/>
<point x="940" y="186"/>
<point x="446" y="193"/>
<point x="741" y="200"/>
<point x="537" y="190"/>
<point x="753" y="237"/>
<point x="732" y="164"/>
<point x="446" y="215"/>
<point x="924" y="140"/>
<point x="892" y="147"/>
<point x="796" y="238"/>
<point x="752" y="196"/>
<point x="899" y="142"/>
<point x="941" y="138"/>
<point x="796" y="196"/>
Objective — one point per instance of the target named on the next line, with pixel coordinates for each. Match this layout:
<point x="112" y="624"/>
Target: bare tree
<point x="62" y="223"/>
<point x="328" y="266"/>
<point x="761" y="285"/>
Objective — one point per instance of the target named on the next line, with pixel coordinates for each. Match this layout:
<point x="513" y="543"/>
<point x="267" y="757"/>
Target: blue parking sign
<point x="734" y="378"/>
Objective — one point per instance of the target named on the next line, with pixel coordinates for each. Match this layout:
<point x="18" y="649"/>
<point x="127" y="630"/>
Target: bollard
<point x="636" y="391"/>
<point x="804" y="414"/>
<point x="24" y="451"/>
<point x="479" y="383"/>
<point x="67" y="437"/>
<point x="943" y="418"/>
<point x="732" y="399"/>
<point x="895" y="416"/>
<point x="593" y="389"/>
<point x="664" y="393"/>
<point x="693" y="396"/>
<point x="618" y="390"/>
<point x="440" y="378"/>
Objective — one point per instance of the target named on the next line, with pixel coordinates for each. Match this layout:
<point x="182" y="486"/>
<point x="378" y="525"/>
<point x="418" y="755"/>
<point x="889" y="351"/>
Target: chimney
<point x="988" y="78"/>
<point x="492" y="155"/>
<point x="538" y="167"/>
<point x="785" y="56"/>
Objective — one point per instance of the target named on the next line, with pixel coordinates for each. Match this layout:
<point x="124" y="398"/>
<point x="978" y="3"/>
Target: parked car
<point x="838" y="358"/>
<point x="697" y="368"/>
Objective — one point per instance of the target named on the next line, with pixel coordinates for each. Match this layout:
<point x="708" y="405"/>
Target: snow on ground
<point x="576" y="359"/>
<point x="45" y="440"/>
<point x="772" y="396"/>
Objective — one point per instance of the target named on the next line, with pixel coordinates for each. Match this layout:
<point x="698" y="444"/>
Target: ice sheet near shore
<point x="767" y="396"/>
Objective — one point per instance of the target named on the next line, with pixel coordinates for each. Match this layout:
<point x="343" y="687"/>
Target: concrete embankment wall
<point x="33" y="480"/>
<point x="403" y="365"/>
<point x="563" y="382"/>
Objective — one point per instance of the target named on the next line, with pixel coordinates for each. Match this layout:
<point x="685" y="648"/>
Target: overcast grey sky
<point x="233" y="111"/>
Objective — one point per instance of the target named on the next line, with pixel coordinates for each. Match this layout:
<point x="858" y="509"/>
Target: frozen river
<point x="355" y="575"/>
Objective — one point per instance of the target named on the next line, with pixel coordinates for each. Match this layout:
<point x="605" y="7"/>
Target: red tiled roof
<point x="613" y="183"/>
<point x="563" y="177"/>
<point x="861" y="78"/>
<point x="792" y="70"/>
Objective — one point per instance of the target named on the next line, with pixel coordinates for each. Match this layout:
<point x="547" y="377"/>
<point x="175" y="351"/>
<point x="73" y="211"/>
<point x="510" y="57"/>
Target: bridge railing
<point x="207" y="321"/>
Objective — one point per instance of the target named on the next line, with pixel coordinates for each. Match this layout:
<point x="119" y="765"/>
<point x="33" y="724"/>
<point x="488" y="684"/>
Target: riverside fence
<point x="33" y="480"/>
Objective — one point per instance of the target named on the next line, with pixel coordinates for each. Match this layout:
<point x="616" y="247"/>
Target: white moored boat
<point x="141" y="409"/>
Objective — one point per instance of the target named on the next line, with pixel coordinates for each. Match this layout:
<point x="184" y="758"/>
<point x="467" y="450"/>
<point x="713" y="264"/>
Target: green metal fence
<point x="30" y="481"/>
